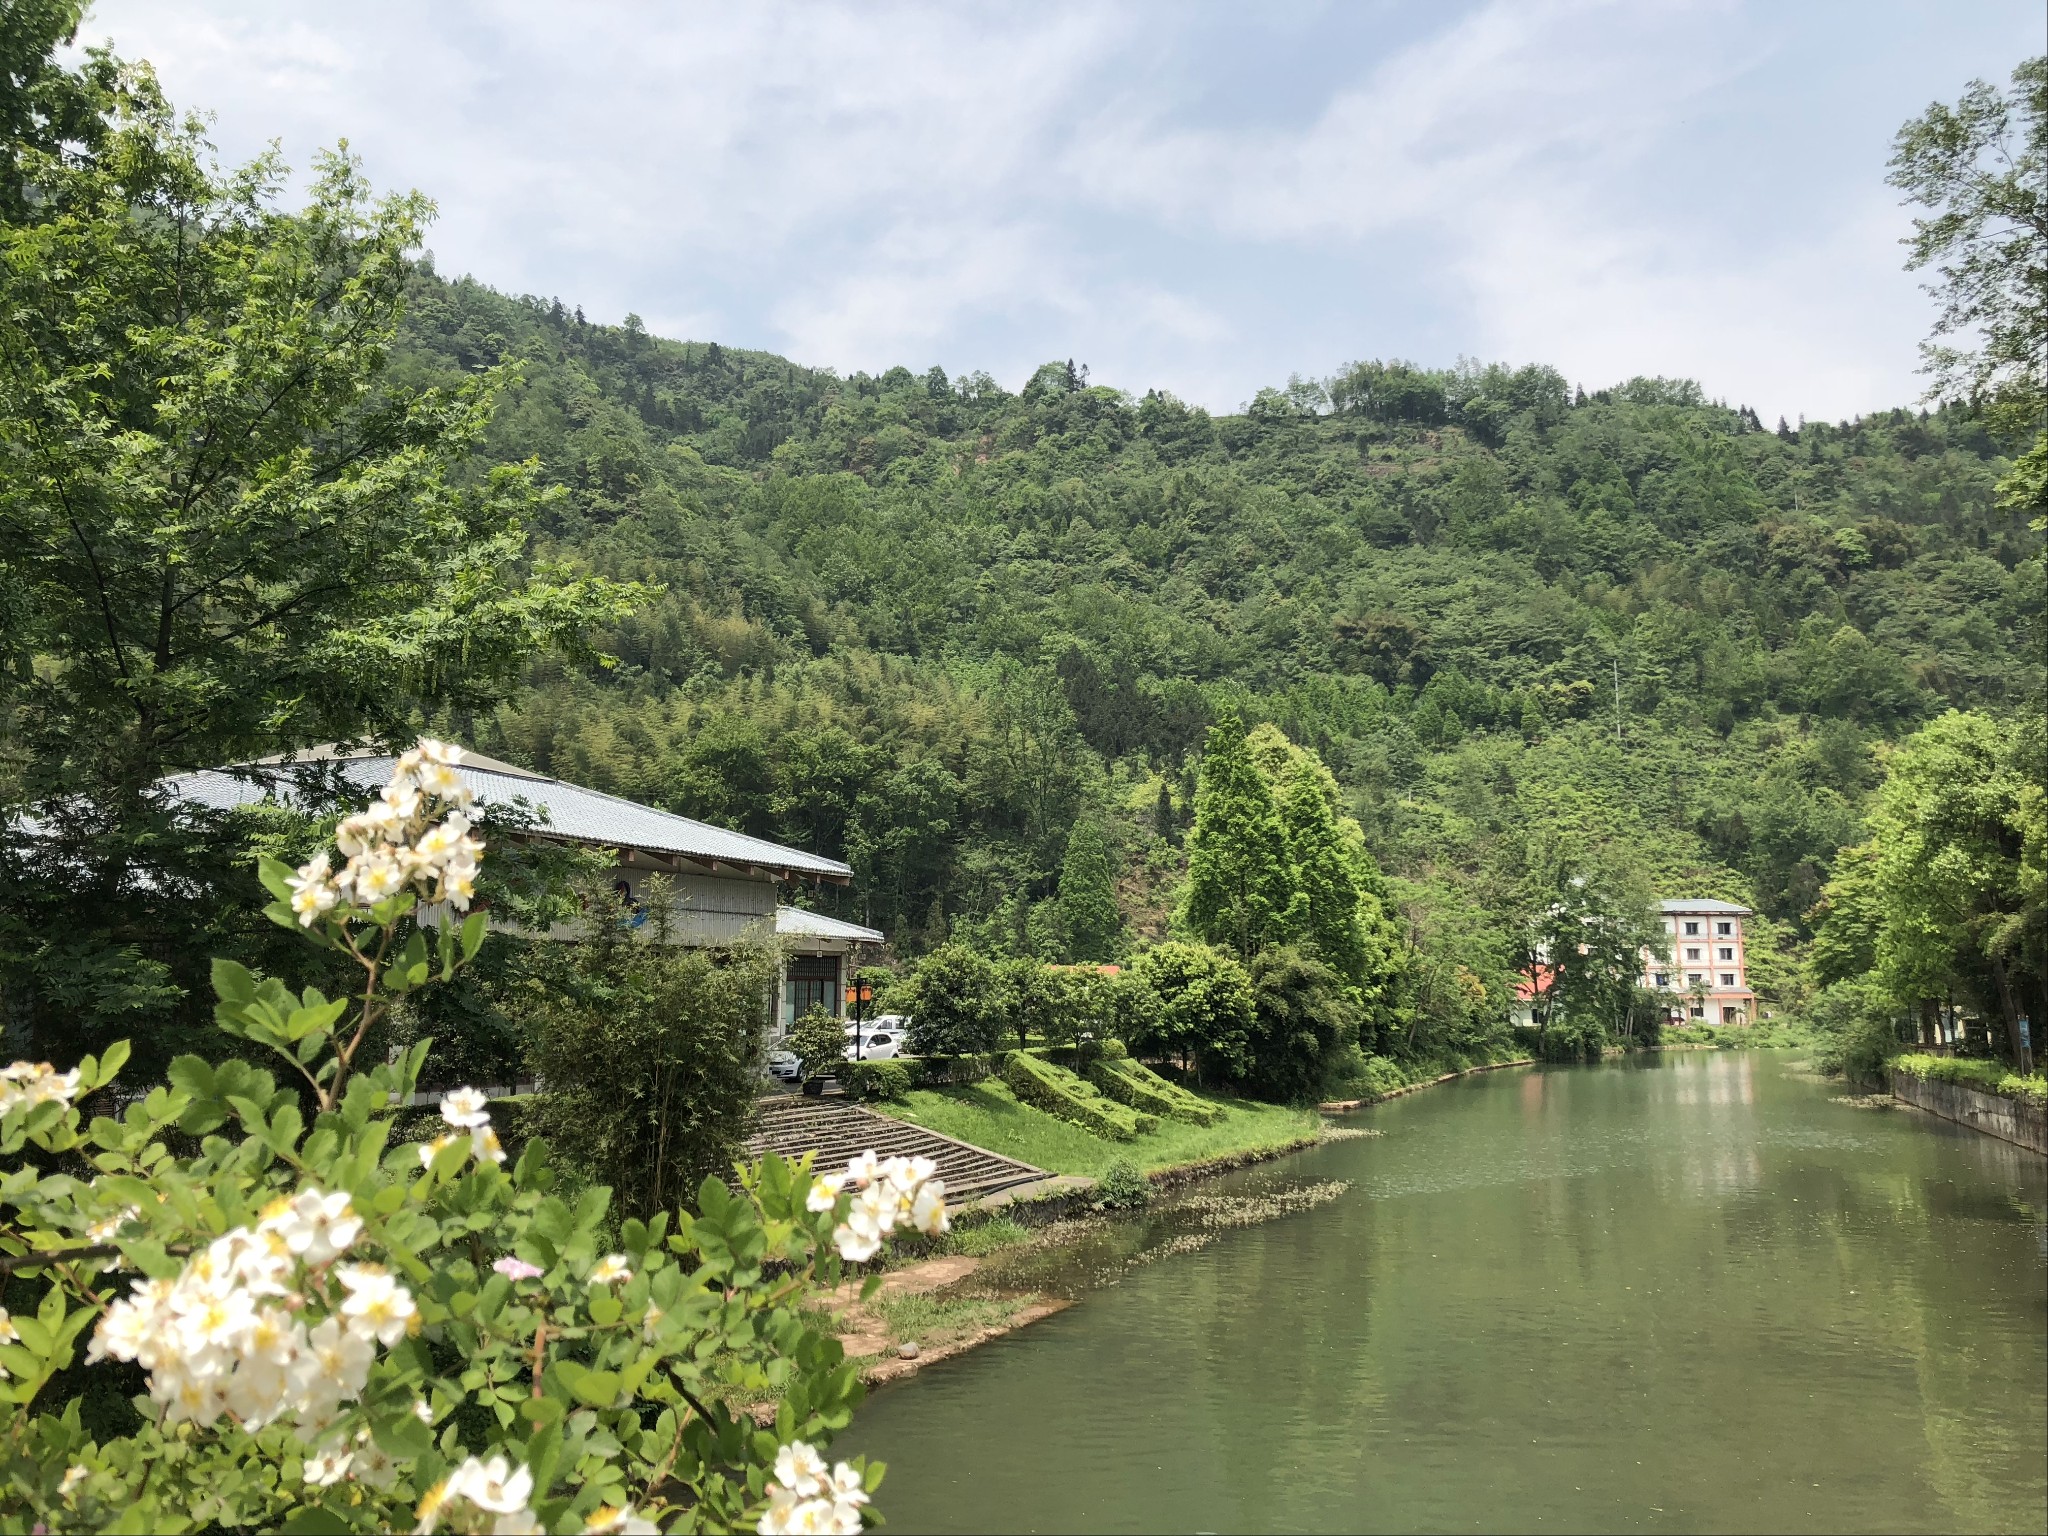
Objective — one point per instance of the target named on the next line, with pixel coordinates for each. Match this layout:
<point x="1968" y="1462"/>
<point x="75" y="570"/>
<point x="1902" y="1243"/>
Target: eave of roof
<point x="1704" y="904"/>
<point x="796" y="921"/>
<point x="573" y="813"/>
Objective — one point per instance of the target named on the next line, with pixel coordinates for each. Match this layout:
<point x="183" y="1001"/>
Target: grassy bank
<point x="989" y="1115"/>
<point x="1984" y="1076"/>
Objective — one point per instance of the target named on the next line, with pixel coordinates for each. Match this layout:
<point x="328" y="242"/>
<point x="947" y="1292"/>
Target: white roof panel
<point x="1705" y="904"/>
<point x="569" y="811"/>
<point x="796" y="922"/>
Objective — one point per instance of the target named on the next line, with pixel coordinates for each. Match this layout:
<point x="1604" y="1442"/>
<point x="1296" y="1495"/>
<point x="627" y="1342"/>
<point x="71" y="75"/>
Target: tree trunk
<point x="2007" y="1007"/>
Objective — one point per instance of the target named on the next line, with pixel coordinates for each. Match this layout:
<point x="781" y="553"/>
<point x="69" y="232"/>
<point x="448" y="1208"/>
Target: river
<point x="1682" y="1294"/>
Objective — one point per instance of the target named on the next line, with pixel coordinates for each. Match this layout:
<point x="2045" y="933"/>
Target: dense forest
<point x="929" y="625"/>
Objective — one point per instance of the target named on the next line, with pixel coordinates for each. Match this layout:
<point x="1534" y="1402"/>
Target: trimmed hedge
<point x="1137" y="1085"/>
<point x="876" y="1079"/>
<point x="1969" y="1072"/>
<point x="1059" y="1092"/>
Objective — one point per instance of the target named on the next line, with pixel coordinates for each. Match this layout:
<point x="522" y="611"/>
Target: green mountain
<point x="929" y="625"/>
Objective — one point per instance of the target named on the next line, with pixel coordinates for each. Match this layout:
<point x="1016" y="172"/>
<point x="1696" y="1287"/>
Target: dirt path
<point x="863" y="1331"/>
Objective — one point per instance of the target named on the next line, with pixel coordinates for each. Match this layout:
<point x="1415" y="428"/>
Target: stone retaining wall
<point x="2024" y="1125"/>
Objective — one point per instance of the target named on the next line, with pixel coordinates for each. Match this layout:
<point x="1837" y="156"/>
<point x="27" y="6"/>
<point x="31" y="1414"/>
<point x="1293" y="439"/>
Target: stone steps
<point x="837" y="1130"/>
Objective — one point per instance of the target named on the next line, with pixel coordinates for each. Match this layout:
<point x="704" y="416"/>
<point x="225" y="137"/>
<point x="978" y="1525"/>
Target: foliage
<point x="957" y="1003"/>
<point x="1202" y="1008"/>
<point x="1134" y="1083"/>
<point x="227" y="527"/>
<point x="1054" y="1089"/>
<point x="1980" y="166"/>
<point x="1301" y="1012"/>
<point x="346" y="1334"/>
<point x="1948" y="888"/>
<point x="650" y="1053"/>
<point x="1986" y="1076"/>
<point x="818" y="1040"/>
<point x="1123" y="1186"/>
<point x="1239" y="892"/>
<point x="876" y="1079"/>
<point x="1089" y="916"/>
<point x="1855" y="1023"/>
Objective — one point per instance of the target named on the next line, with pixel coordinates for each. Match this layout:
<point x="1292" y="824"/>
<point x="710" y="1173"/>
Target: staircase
<point x="837" y="1129"/>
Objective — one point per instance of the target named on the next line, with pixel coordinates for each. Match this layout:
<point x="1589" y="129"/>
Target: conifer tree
<point x="1087" y="901"/>
<point x="1326" y="878"/>
<point x="1240" y="890"/>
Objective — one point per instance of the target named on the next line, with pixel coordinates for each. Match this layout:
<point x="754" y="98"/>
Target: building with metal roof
<point x="724" y="886"/>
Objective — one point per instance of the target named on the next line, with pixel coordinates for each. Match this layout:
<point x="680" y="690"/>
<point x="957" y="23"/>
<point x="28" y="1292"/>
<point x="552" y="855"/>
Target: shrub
<point x="1059" y="1092"/>
<point x="650" y="1055"/>
<point x="1856" y="1025"/>
<point x="1202" y="1009"/>
<point x="1968" y="1072"/>
<point x="1133" y="1083"/>
<point x="957" y="1001"/>
<point x="1300" y="1012"/>
<point x="1382" y="1076"/>
<point x="876" y="1079"/>
<point x="818" y="1040"/>
<point x="1123" y="1185"/>
<point x="399" y="1335"/>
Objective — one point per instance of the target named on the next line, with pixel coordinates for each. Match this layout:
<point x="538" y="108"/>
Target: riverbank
<point x="2018" y="1117"/>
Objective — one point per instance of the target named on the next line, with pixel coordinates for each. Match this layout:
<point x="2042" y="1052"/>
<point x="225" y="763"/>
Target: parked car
<point x="785" y="1065"/>
<point x="876" y="1039"/>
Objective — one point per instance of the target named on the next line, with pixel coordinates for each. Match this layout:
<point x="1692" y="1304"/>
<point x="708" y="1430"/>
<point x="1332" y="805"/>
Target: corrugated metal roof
<point x="572" y="813"/>
<point x="1705" y="904"/>
<point x="796" y="922"/>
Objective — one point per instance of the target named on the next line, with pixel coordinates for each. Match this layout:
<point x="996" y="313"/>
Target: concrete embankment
<point x="2022" y="1124"/>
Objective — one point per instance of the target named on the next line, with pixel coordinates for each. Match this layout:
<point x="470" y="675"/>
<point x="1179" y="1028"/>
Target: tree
<point x="225" y="529"/>
<point x="1087" y="895"/>
<point x="1302" y="1011"/>
<point x="818" y="1041"/>
<point x="1202" y="1007"/>
<point x="650" y="1052"/>
<point x="1325" y="876"/>
<point x="957" y="1001"/>
<point x="1240" y="889"/>
<point x="1982" y="166"/>
<point x="1955" y="886"/>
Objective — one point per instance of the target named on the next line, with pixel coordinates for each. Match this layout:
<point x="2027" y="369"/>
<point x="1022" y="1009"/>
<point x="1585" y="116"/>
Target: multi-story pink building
<point x="1707" y="976"/>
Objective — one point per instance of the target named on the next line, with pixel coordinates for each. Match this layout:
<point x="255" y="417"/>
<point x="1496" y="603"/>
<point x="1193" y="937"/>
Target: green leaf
<point x="475" y="929"/>
<point x="600" y="1389"/>
<point x="276" y="876"/>
<point x="233" y="982"/>
<point x="604" y="1310"/>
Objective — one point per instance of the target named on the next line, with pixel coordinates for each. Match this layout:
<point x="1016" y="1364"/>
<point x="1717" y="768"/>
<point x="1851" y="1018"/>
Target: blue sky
<point x="1202" y="198"/>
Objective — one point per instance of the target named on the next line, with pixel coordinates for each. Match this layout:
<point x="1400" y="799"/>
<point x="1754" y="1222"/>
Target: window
<point x="813" y="979"/>
<point x="1698" y="1012"/>
<point x="1727" y="952"/>
<point x="1693" y="976"/>
<point x="1730" y="1015"/>
<point x="1663" y="978"/>
<point x="1727" y="978"/>
<point x="1692" y="930"/>
<point x="1692" y="954"/>
<point x="1725" y="930"/>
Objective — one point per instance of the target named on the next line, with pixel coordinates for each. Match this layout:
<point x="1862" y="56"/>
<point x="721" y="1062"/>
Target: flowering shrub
<point x="338" y="1333"/>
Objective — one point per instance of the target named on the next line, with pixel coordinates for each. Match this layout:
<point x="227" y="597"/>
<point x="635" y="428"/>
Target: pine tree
<point x="1240" y="885"/>
<point x="1325" y="875"/>
<point x="1164" y="824"/>
<point x="1087" y="900"/>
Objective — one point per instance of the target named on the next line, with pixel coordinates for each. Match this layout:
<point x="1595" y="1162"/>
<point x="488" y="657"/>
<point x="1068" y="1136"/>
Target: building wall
<point x="1722" y="962"/>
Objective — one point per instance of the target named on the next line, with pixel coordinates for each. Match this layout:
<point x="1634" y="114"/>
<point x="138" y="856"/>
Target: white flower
<point x="315" y="1227"/>
<point x="374" y="876"/>
<point x="854" y="1245"/>
<point x="861" y="1171"/>
<point x="493" y="1485"/>
<point x="428" y="750"/>
<point x="483" y="1145"/>
<point x="334" y="1363"/>
<point x="9" y="1334"/>
<point x="313" y="891"/>
<point x="327" y="1469"/>
<point x="403" y="797"/>
<point x="465" y="1108"/>
<point x="928" y="1210"/>
<point x="611" y="1520"/>
<point x="800" y="1469"/>
<point x="26" y="1084"/>
<point x="447" y="842"/>
<point x="610" y="1270"/>
<point x="68" y="1484"/>
<point x="371" y="1465"/>
<point x="520" y="1522"/>
<point x="377" y="1306"/>
<point x="824" y="1193"/>
<point x="429" y="1150"/>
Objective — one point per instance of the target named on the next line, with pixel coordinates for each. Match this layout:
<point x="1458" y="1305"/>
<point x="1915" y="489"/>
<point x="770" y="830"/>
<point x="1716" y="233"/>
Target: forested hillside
<point x="931" y="626"/>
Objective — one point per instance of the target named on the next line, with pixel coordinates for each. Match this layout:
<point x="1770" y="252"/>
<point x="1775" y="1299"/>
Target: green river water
<point x="1688" y="1294"/>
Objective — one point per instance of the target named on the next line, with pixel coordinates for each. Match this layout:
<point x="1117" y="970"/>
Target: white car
<point x="878" y="1039"/>
<point x="785" y="1065"/>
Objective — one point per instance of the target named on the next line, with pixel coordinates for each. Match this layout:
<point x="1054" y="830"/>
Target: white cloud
<point x="1598" y="186"/>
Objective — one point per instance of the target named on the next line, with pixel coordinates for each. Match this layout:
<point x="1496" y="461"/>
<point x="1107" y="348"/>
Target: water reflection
<point x="1693" y="1294"/>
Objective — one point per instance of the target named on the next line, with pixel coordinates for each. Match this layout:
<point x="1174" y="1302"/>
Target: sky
<point x="1196" y="197"/>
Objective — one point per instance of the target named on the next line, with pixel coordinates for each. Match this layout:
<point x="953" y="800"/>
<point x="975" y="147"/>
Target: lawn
<point x="988" y="1115"/>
